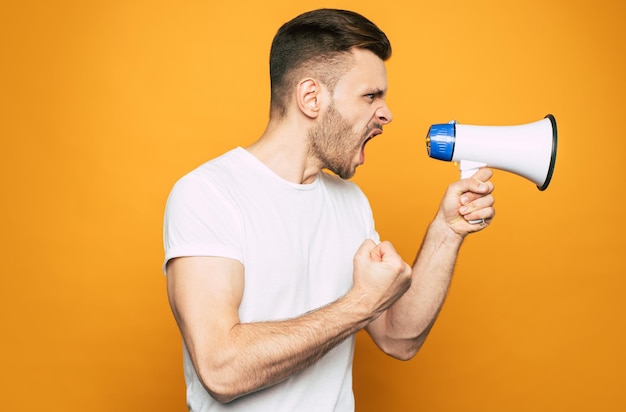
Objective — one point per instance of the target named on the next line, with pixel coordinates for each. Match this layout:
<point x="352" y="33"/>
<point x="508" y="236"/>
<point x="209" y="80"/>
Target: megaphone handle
<point x="468" y="168"/>
<point x="468" y="173"/>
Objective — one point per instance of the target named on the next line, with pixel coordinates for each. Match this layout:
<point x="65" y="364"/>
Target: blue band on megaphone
<point x="440" y="141"/>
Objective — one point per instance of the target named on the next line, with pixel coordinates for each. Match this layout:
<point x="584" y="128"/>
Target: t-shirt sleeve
<point x="200" y="220"/>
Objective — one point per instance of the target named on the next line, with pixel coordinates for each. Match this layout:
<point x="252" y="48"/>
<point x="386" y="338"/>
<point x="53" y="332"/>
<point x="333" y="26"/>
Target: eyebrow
<point x="378" y="92"/>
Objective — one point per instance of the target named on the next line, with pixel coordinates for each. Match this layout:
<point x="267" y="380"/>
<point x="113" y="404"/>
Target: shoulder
<point x="212" y="172"/>
<point x="206" y="184"/>
<point x="221" y="166"/>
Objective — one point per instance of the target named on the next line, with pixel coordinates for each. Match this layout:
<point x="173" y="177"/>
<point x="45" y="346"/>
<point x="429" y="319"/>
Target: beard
<point x="335" y="144"/>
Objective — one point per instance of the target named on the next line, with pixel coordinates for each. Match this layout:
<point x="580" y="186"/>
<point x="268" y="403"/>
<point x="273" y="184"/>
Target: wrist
<point x="444" y="230"/>
<point x="358" y="308"/>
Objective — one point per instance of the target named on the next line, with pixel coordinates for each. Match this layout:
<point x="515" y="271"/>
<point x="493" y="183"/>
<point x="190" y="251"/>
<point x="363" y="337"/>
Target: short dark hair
<point x="321" y="39"/>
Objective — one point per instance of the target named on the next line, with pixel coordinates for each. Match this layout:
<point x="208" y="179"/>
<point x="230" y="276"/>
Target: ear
<point x="308" y="97"/>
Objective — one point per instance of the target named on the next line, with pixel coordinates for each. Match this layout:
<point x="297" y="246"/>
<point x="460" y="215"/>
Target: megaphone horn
<point x="528" y="150"/>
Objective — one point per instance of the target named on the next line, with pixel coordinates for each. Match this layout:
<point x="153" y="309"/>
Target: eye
<point x="374" y="94"/>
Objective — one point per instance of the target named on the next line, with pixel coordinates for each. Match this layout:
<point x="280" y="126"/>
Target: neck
<point x="284" y="148"/>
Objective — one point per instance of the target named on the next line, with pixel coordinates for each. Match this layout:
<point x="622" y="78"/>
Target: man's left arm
<point x="402" y="329"/>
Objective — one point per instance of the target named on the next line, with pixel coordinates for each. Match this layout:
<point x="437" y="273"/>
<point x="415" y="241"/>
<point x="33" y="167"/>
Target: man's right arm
<point x="233" y="358"/>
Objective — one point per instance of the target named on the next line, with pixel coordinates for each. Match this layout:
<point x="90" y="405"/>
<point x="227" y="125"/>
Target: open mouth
<point x="377" y="130"/>
<point x="372" y="135"/>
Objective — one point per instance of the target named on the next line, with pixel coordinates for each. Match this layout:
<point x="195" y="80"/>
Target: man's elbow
<point x="219" y="384"/>
<point x="402" y="354"/>
<point x="403" y="350"/>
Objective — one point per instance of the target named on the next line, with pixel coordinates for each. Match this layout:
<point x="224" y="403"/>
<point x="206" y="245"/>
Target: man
<point x="273" y="264"/>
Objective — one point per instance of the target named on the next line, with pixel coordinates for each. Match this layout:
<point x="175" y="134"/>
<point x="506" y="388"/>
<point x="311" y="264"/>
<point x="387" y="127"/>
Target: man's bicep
<point x="205" y="294"/>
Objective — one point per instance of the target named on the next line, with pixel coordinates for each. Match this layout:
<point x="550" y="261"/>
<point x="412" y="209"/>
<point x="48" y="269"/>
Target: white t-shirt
<point x="296" y="243"/>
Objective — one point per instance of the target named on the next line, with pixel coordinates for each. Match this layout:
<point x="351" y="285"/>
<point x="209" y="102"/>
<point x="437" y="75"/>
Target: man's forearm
<point x="254" y="356"/>
<point x="233" y="358"/>
<point x="403" y="328"/>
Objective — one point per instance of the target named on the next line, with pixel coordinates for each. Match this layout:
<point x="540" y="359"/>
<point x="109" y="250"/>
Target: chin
<point x="345" y="174"/>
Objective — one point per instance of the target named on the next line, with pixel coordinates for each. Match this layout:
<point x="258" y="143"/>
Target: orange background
<point x="104" y="105"/>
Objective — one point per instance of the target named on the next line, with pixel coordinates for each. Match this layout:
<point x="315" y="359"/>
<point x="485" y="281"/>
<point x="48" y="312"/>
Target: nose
<point x="384" y="114"/>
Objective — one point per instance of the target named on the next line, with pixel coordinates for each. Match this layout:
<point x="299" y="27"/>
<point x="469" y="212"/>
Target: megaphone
<point x="528" y="150"/>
